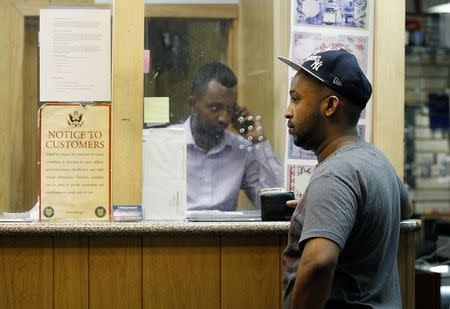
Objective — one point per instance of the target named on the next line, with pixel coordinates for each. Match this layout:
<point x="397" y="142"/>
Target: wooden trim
<point x="127" y="101"/>
<point x="282" y="24"/>
<point x="209" y="11"/>
<point x="406" y="261"/>
<point x="32" y="8"/>
<point x="233" y="46"/>
<point x="389" y="80"/>
<point x="31" y="104"/>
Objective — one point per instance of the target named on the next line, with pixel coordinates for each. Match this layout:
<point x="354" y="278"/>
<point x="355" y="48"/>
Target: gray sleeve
<point x="330" y="209"/>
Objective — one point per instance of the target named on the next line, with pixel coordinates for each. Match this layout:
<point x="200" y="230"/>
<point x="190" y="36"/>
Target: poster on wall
<point x="307" y="42"/>
<point x="298" y="176"/>
<point x="319" y="25"/>
<point x="343" y="13"/>
<point x="296" y="152"/>
<point x="74" y="162"/>
<point x="75" y="55"/>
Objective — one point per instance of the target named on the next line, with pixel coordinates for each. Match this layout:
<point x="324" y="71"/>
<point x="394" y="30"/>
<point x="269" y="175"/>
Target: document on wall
<point x="75" y="55"/>
<point x="74" y="162"/>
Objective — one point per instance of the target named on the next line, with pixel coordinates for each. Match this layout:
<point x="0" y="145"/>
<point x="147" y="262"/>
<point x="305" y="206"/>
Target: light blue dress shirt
<point x="215" y="177"/>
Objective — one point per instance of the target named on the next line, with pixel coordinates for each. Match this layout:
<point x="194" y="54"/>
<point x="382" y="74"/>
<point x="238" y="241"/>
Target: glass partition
<point x="212" y="97"/>
<point x="181" y="39"/>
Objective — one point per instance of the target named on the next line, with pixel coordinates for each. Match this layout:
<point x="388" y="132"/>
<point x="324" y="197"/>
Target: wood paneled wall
<point x="136" y="272"/>
<point x="153" y="272"/>
<point x="26" y="272"/>
<point x="183" y="274"/>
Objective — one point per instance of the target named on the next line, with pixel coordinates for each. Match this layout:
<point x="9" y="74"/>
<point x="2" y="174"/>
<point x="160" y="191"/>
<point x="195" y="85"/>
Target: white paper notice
<point x="75" y="55"/>
<point x="164" y="174"/>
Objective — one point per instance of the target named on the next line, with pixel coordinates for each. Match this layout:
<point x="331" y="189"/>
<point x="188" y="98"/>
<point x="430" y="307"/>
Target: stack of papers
<point x="15" y="217"/>
<point x="217" y="215"/>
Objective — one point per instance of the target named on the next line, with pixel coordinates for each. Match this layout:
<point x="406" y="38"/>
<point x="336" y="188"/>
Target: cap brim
<point x="298" y="67"/>
<point x="290" y="63"/>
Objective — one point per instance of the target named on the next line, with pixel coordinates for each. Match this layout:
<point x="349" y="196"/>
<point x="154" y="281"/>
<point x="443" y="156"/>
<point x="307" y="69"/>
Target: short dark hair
<point x="352" y="110"/>
<point x="212" y="71"/>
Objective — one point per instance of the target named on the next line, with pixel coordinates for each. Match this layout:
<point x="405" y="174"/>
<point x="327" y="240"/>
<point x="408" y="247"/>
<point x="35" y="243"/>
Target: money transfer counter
<point x="165" y="264"/>
<point x="155" y="264"/>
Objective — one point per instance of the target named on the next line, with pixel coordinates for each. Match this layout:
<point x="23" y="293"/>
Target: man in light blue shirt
<point x="219" y="162"/>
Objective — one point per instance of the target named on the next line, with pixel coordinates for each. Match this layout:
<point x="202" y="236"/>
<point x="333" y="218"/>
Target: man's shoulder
<point x="345" y="163"/>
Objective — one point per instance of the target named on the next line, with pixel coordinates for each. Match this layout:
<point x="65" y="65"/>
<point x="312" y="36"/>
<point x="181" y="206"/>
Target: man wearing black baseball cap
<point x="344" y="233"/>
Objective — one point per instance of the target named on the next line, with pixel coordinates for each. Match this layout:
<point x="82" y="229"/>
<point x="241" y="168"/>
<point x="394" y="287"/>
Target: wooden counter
<point x="154" y="264"/>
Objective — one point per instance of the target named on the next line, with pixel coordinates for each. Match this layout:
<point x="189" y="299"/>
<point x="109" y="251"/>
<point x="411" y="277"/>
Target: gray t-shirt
<point x="354" y="199"/>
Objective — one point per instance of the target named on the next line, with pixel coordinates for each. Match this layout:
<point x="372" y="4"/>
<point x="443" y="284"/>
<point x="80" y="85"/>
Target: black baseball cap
<point x="339" y="70"/>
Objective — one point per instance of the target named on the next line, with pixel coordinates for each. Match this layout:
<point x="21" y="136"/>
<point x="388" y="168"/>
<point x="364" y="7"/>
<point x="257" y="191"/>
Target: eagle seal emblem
<point x="75" y="119"/>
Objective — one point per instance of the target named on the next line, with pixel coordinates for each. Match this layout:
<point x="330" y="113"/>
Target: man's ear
<point x="192" y="102"/>
<point x="331" y="105"/>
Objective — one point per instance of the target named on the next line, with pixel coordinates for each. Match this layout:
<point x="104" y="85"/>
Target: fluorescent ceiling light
<point x="442" y="8"/>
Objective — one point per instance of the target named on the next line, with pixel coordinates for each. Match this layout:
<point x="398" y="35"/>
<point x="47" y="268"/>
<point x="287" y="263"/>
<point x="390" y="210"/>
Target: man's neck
<point x="332" y="144"/>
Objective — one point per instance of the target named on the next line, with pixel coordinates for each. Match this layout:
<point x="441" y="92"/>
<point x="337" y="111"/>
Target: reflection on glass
<point x="226" y="147"/>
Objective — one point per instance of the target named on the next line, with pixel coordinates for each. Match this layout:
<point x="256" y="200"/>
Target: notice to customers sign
<point x="74" y="158"/>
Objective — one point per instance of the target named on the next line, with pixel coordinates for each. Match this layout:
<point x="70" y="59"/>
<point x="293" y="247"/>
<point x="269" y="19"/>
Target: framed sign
<point x="74" y="162"/>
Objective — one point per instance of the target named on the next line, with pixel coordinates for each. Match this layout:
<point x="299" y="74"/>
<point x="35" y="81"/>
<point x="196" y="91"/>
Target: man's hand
<point x="292" y="203"/>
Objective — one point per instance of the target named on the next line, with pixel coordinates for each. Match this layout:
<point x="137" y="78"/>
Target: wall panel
<point x="115" y="272"/>
<point x="250" y="272"/>
<point x="71" y="279"/>
<point x="181" y="272"/>
<point x="26" y="272"/>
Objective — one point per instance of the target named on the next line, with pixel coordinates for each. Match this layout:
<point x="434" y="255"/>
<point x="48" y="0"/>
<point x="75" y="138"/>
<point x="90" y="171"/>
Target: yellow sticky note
<point x="156" y="110"/>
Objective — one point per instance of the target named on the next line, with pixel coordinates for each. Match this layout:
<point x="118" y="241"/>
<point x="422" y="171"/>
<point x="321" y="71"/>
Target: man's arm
<point x="315" y="273"/>
<point x="264" y="171"/>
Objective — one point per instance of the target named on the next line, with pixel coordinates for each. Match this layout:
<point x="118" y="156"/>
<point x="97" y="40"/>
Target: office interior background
<point x="180" y="44"/>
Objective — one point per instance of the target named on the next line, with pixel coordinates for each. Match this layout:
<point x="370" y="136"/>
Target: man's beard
<point x="210" y="135"/>
<point x="213" y="135"/>
<point x="306" y="137"/>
